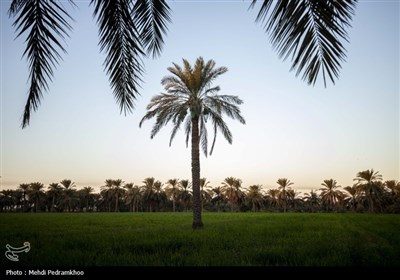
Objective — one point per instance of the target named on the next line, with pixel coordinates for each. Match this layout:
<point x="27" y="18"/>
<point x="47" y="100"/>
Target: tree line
<point x="369" y="193"/>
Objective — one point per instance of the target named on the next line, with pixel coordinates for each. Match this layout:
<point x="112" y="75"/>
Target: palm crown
<point x="190" y="96"/>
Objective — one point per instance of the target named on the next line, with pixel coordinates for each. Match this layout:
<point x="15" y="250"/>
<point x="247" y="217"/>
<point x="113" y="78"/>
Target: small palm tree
<point x="24" y="188"/>
<point x="149" y="192"/>
<point x="160" y="196"/>
<point x="329" y="193"/>
<point x="218" y="197"/>
<point x="312" y="199"/>
<point x="118" y="192"/>
<point x="86" y="196"/>
<point x="190" y="100"/>
<point x="107" y="192"/>
<point x="273" y="197"/>
<point x="133" y="196"/>
<point x="394" y="187"/>
<point x="283" y="184"/>
<point x="232" y="189"/>
<point x="7" y="200"/>
<point x="68" y="193"/>
<point x="369" y="182"/>
<point x="254" y="197"/>
<point x="172" y="190"/>
<point x="352" y="198"/>
<point x="185" y="195"/>
<point x="205" y="196"/>
<point x="36" y="194"/>
<point x="54" y="190"/>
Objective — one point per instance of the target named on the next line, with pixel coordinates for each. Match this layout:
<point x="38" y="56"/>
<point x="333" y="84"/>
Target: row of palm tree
<point x="368" y="194"/>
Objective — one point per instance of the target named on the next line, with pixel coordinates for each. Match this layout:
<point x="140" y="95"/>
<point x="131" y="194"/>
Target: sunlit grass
<point x="166" y="239"/>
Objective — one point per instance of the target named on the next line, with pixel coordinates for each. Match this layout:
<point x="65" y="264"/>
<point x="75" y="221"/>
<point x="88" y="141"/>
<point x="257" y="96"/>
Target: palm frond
<point x="46" y="23"/>
<point x="152" y="17"/>
<point x="203" y="136"/>
<point x="120" y="39"/>
<point x="219" y="124"/>
<point x="16" y="6"/>
<point x="226" y="104"/>
<point x="188" y="129"/>
<point x="310" y="32"/>
<point x="179" y="118"/>
<point x="187" y="98"/>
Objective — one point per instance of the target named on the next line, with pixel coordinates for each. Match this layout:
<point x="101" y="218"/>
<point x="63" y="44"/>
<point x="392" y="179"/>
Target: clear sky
<point x="304" y="133"/>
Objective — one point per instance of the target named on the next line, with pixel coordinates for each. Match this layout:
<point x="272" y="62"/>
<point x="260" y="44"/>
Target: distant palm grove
<point x="369" y="194"/>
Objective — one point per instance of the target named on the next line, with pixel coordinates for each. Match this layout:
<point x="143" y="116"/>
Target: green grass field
<point x="228" y="239"/>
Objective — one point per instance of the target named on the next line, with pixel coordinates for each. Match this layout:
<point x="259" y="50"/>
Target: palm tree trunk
<point x="371" y="203"/>
<point x="24" y="207"/>
<point x="284" y="202"/>
<point x="173" y="203"/>
<point x="116" y="203"/>
<point x="197" y="222"/>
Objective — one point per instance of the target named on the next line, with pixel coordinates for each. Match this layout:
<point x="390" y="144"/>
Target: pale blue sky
<point x="293" y="130"/>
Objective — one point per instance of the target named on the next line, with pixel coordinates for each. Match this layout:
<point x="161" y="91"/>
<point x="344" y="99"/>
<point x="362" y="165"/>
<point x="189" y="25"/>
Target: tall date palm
<point x="368" y="181"/>
<point x="190" y="100"/>
<point x="283" y="185"/>
<point x="329" y="193"/>
<point x="310" y="32"/>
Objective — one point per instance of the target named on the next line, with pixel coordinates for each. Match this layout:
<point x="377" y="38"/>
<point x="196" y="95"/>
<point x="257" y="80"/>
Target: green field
<point x="228" y="239"/>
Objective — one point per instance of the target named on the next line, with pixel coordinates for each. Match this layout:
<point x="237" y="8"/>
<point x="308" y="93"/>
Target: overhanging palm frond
<point x="120" y="39"/>
<point x="151" y="17"/>
<point x="310" y="32"/>
<point x="47" y="25"/>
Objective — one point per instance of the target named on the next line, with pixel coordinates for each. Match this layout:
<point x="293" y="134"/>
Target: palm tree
<point x="329" y="193"/>
<point x="308" y="31"/>
<point x="184" y="194"/>
<point x="312" y="200"/>
<point x="133" y="196"/>
<point x="173" y="190"/>
<point x="205" y="196"/>
<point x="273" y="195"/>
<point x="54" y="190"/>
<point x="149" y="192"/>
<point x="293" y="199"/>
<point x="86" y="195"/>
<point x="254" y="197"/>
<point x="369" y="182"/>
<point x="68" y="193"/>
<point x="160" y="196"/>
<point x="113" y="189"/>
<point x="36" y="194"/>
<point x="118" y="191"/>
<point x="394" y="187"/>
<point x="218" y="197"/>
<point x="231" y="187"/>
<point x="353" y="198"/>
<point x="7" y="199"/>
<point x="24" y="188"/>
<point x="190" y="99"/>
<point x="107" y="192"/>
<point x="283" y="184"/>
